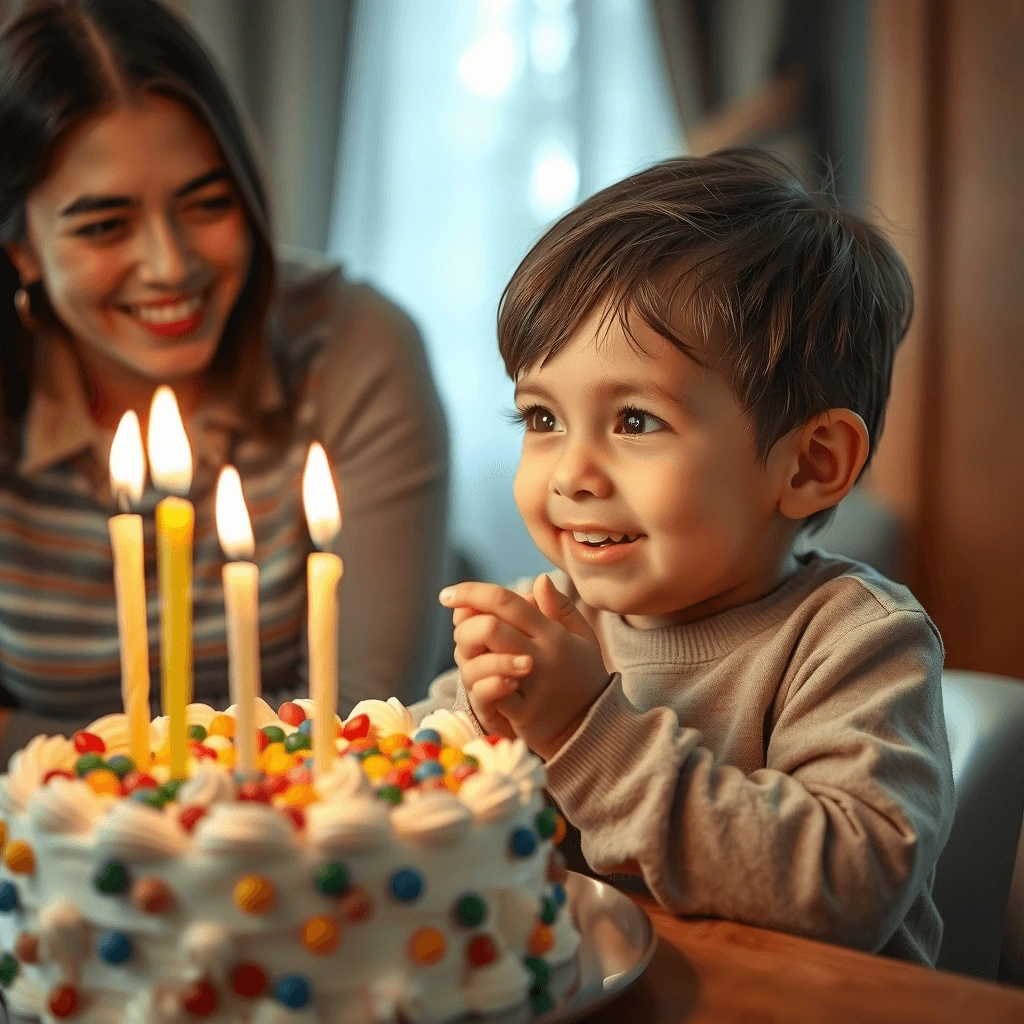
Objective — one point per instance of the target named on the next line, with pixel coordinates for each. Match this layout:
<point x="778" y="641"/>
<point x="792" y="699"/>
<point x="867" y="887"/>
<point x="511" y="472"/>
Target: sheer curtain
<point x="469" y="126"/>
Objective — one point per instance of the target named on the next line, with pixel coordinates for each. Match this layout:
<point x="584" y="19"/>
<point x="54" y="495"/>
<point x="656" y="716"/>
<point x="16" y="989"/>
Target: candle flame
<point x="170" y="457"/>
<point x="127" y="462"/>
<point x="233" y="525"/>
<point x="320" y="498"/>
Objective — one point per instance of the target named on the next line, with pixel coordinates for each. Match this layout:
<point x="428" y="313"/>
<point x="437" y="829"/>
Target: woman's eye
<point x="215" y="204"/>
<point x="636" y="421"/>
<point x="100" y="228"/>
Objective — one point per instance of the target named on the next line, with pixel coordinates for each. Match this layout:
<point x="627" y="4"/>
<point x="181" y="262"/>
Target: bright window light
<point x="490" y="66"/>
<point x="554" y="180"/>
<point x="551" y="42"/>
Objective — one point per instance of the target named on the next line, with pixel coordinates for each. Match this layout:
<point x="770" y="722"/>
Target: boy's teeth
<point x="168" y="314"/>
<point x="600" y="538"/>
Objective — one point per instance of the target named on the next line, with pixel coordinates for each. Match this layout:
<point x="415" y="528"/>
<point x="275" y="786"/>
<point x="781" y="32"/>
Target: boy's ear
<point x="825" y="457"/>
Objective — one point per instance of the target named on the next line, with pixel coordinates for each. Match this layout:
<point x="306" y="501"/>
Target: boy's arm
<point x="833" y="839"/>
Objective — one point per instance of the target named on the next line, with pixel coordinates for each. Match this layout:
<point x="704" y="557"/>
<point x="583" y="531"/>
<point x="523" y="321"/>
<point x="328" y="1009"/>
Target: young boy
<point x="702" y="357"/>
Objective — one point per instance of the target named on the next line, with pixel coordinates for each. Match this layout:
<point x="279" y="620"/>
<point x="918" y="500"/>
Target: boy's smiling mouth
<point x="597" y="545"/>
<point x="600" y="538"/>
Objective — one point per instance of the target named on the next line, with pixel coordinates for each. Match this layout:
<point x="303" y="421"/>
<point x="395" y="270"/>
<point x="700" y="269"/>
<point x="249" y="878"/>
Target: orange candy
<point x="541" y="940"/>
<point x="3" y="835"/>
<point x="321" y="935"/>
<point x="254" y="894"/>
<point x="299" y="795"/>
<point x="19" y="858"/>
<point x="427" y="946"/>
<point x="222" y="725"/>
<point x="102" y="781"/>
<point x="152" y="896"/>
<point x="559" y="830"/>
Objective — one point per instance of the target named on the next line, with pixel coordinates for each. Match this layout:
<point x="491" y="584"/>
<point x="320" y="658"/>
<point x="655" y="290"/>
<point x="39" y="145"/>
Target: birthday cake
<point x="415" y="880"/>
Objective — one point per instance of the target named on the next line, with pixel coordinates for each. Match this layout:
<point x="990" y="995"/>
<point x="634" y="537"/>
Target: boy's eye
<point x="636" y="421"/>
<point x="539" y="419"/>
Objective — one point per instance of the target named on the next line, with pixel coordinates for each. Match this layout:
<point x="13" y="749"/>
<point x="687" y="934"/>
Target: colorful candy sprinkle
<point x="197" y="732"/>
<point x="254" y="894"/>
<point x="152" y="896"/>
<point x="111" y="878"/>
<point x="523" y="842"/>
<point x="291" y="713"/>
<point x="57" y="773"/>
<point x="557" y="870"/>
<point x="88" y="763"/>
<point x="558" y="894"/>
<point x="471" y="910"/>
<point x="293" y="991"/>
<point x="406" y="885"/>
<point x="392" y="744"/>
<point x="376" y="766"/>
<point x="19" y="858"/>
<point x="222" y="725"/>
<point x="356" y="728"/>
<point x="189" y="817"/>
<point x="540" y="971"/>
<point x="331" y="878"/>
<point x="138" y="780"/>
<point x="546" y="822"/>
<point x="249" y="980"/>
<point x="428" y="769"/>
<point x="481" y="951"/>
<point x="321" y="935"/>
<point x="88" y="743"/>
<point x="254" y="792"/>
<point x="424" y="752"/>
<point x="120" y="765"/>
<point x="298" y="796"/>
<point x="427" y="946"/>
<point x="103" y="782"/>
<point x="200" y="999"/>
<point x="8" y="970"/>
<point x="8" y="897"/>
<point x="560" y="829"/>
<point x="296" y="742"/>
<point x="63" y="1001"/>
<point x="548" y="911"/>
<point x="427" y="736"/>
<point x="391" y="794"/>
<point x="356" y="905"/>
<point x="26" y="948"/>
<point x="114" y="947"/>
<point x="450" y="756"/>
<point x="541" y="940"/>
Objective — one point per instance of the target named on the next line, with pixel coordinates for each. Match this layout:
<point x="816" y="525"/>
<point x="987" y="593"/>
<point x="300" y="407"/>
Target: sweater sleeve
<point x="834" y="838"/>
<point x="382" y="424"/>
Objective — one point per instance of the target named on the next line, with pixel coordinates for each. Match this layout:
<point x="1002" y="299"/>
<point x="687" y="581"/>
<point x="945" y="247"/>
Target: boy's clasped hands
<point x="531" y="664"/>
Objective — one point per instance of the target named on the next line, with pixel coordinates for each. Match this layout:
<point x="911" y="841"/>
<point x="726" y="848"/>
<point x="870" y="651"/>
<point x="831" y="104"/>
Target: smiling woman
<point x="137" y="251"/>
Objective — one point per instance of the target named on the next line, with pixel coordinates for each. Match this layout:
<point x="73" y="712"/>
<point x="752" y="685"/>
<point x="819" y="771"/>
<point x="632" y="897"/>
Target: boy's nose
<point x="579" y="474"/>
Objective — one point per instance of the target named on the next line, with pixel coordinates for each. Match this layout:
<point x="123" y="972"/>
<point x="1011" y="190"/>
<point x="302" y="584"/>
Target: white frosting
<point x="512" y="758"/>
<point x="491" y="988"/>
<point x="350" y="825"/>
<point x="344" y="781"/>
<point x="210" y="785"/>
<point x="491" y="796"/>
<point x="208" y="947"/>
<point x="455" y="728"/>
<point x="269" y="1011"/>
<point x="63" y="936"/>
<point x="155" y="1005"/>
<point x="517" y="914"/>
<point x="65" y="806"/>
<point x="24" y="997"/>
<point x="264" y="715"/>
<point x="386" y="717"/>
<point x="248" y="827"/>
<point x="29" y="766"/>
<point x="136" y="832"/>
<point x="436" y="817"/>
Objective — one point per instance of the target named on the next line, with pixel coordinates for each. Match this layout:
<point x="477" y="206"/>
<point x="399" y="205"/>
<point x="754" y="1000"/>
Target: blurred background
<point x="427" y="143"/>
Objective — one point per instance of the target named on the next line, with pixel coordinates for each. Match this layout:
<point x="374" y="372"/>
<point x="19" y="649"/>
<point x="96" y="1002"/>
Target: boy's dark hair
<point x="813" y="299"/>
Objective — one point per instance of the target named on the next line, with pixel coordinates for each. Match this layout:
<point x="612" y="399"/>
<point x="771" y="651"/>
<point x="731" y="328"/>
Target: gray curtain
<point x="785" y="74"/>
<point x="285" y="62"/>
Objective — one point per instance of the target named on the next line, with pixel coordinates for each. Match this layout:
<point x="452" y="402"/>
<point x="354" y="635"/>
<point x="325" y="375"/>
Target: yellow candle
<point x="323" y="573"/>
<point x="170" y="461"/>
<point x="127" y="479"/>
<point x="241" y="602"/>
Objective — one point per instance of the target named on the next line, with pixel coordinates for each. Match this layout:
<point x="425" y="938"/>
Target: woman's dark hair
<point x="814" y="299"/>
<point x="62" y="61"/>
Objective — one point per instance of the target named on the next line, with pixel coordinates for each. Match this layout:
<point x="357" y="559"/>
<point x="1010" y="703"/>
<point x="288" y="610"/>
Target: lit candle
<point x="323" y="573"/>
<point x="241" y="589"/>
<point x="170" y="462"/>
<point x="127" y="478"/>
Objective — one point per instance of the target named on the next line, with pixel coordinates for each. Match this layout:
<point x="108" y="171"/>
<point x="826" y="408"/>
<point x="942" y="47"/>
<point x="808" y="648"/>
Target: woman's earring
<point x="23" y="305"/>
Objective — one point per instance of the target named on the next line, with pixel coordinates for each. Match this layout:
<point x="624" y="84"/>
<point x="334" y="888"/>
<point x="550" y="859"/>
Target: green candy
<point x="548" y="911"/>
<point x="296" y="742"/>
<point x="169" y="790"/>
<point x="540" y="971"/>
<point x="88" y="763"/>
<point x="8" y="970"/>
<point x="332" y="878"/>
<point x="155" y="799"/>
<point x="393" y="794"/>
<point x="471" y="910"/>
<point x="274" y="733"/>
<point x="547" y="822"/>
<point x="121" y="765"/>
<point x="473" y="762"/>
<point x="364" y="754"/>
<point x="112" y="878"/>
<point x="197" y="732"/>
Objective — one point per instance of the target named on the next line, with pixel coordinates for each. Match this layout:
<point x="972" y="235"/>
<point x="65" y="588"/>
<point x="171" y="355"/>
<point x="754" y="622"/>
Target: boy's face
<point x="639" y="477"/>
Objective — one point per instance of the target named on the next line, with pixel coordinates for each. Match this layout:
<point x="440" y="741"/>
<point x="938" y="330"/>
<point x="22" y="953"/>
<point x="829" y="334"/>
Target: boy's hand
<point x="531" y="665"/>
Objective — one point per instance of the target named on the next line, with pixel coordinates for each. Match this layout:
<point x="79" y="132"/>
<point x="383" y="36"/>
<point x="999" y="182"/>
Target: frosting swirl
<point x="28" y="766"/>
<point x="270" y="1011"/>
<point x="455" y="728"/>
<point x="350" y="825"/>
<point x="512" y="758"/>
<point x="497" y="986"/>
<point x="244" y="828"/>
<point x="208" y="786"/>
<point x="344" y="781"/>
<point x="386" y="717"/>
<point x="208" y="947"/>
<point x="491" y="796"/>
<point x="63" y="935"/>
<point x="137" y="832"/>
<point x="113" y="730"/>
<point x="436" y="817"/>
<point x="65" y="806"/>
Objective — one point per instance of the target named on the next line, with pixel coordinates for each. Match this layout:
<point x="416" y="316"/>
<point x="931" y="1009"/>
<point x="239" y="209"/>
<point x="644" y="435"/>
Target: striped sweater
<point x="341" y="365"/>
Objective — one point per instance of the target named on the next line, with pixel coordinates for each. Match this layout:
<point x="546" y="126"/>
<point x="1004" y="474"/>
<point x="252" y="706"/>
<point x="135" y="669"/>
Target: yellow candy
<point x="377" y="766"/>
<point x="19" y="858"/>
<point x="450" y="756"/>
<point x="163" y="753"/>
<point x="426" y="946"/>
<point x="228" y="758"/>
<point x="396" y="741"/>
<point x="103" y="781"/>
<point x="254" y="894"/>
<point x="221" y="725"/>
<point x="321" y="935"/>
<point x="215" y="741"/>
<point x="299" y="795"/>
<point x="278" y="763"/>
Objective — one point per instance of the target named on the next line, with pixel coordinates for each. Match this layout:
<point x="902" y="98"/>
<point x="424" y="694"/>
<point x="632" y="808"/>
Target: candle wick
<point x="123" y="503"/>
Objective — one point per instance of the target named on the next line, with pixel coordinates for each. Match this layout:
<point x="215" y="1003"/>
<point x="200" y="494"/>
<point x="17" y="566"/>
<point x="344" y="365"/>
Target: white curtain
<point x="468" y="126"/>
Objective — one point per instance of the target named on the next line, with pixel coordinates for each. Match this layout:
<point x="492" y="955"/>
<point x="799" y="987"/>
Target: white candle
<point x="323" y="573"/>
<point x="127" y="479"/>
<point x="241" y="601"/>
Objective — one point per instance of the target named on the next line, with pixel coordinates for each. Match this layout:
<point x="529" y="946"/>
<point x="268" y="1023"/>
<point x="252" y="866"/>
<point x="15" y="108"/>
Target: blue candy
<point x="406" y="885"/>
<point x="427" y="770"/>
<point x="559" y="894"/>
<point x="523" y="842"/>
<point x="114" y="947"/>
<point x="427" y="736"/>
<point x="306" y="727"/>
<point x="293" y="991"/>
<point x="8" y="897"/>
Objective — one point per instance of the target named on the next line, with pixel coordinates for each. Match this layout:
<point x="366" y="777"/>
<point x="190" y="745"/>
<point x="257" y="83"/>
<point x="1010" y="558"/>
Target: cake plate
<point x="617" y="941"/>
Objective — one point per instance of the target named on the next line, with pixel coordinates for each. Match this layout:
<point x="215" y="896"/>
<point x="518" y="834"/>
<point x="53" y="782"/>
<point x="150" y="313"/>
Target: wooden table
<point x="708" y="971"/>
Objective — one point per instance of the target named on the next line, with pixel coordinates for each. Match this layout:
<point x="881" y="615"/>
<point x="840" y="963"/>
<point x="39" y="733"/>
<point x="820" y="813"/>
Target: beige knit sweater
<point x="783" y="764"/>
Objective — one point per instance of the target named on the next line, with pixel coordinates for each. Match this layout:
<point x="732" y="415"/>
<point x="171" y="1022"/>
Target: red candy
<point x="481" y="950"/>
<point x="199" y="751"/>
<point x="400" y="777"/>
<point x="57" y="773"/>
<point x="357" y="746"/>
<point x="250" y="981"/>
<point x="254" y="791"/>
<point x="201" y="999"/>
<point x="493" y="739"/>
<point x="463" y="771"/>
<point x="357" y="728"/>
<point x="63" y="1001"/>
<point x="189" y="817"/>
<point x="291" y="713"/>
<point x="138" y="780"/>
<point x="275" y="784"/>
<point x="297" y="815"/>
<point x="424" y="752"/>
<point x="262" y="739"/>
<point x="300" y="776"/>
<point x="88" y="743"/>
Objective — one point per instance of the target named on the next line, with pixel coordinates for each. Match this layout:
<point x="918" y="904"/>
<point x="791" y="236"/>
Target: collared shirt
<point x="340" y="365"/>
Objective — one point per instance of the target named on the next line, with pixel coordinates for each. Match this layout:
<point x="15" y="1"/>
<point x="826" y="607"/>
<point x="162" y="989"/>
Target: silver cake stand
<point x="617" y="941"/>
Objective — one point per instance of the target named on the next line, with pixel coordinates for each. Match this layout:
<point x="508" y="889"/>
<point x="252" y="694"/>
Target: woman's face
<point x="140" y="239"/>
